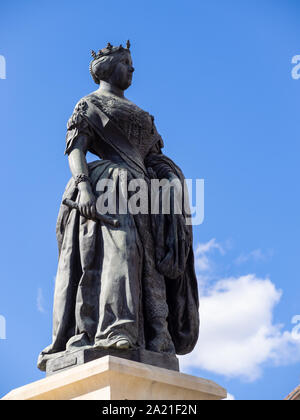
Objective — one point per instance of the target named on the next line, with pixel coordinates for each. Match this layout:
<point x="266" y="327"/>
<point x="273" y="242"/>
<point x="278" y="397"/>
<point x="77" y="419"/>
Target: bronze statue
<point x="124" y="281"/>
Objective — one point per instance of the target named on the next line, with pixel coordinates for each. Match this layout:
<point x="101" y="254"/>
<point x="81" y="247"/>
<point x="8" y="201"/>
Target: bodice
<point x="137" y="124"/>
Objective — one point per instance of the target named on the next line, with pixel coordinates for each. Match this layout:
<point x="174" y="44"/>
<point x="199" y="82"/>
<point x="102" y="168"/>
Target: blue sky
<point x="217" y="76"/>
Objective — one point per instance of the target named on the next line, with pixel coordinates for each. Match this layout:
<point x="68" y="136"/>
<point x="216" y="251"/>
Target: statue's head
<point x="113" y="65"/>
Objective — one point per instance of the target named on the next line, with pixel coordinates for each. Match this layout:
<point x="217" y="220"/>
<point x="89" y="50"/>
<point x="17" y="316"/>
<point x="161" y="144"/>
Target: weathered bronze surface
<point x="125" y="282"/>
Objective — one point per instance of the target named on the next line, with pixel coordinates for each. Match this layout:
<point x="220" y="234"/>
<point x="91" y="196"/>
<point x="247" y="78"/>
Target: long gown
<point x="136" y="281"/>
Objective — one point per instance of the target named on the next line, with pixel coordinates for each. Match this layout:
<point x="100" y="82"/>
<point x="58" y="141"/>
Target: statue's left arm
<point x="155" y="160"/>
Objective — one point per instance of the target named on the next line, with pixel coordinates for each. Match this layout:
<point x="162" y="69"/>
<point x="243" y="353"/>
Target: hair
<point x="102" y="68"/>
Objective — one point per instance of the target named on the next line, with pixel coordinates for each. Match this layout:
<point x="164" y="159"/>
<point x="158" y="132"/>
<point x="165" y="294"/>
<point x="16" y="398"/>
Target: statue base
<point x="113" y="378"/>
<point x="85" y="355"/>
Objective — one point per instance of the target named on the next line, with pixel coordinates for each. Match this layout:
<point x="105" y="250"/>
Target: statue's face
<point x="122" y="74"/>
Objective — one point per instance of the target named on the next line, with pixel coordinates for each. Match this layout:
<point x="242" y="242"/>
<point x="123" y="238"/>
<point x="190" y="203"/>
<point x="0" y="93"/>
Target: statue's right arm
<point x="78" y="166"/>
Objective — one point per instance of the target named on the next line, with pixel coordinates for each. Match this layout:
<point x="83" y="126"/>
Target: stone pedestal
<point x="113" y="378"/>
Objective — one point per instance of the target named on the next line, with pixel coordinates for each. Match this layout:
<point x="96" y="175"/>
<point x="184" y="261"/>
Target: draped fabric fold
<point x="175" y="257"/>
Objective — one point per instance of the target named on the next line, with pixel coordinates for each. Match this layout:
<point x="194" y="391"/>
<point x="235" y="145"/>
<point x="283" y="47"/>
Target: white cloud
<point x="257" y="255"/>
<point x="204" y="248"/>
<point x="40" y="301"/>
<point x="202" y="261"/>
<point x="204" y="264"/>
<point x="237" y="333"/>
<point x="230" y="397"/>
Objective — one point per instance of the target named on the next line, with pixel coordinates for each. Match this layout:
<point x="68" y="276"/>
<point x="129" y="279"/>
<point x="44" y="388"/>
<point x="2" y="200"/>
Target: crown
<point x="109" y="49"/>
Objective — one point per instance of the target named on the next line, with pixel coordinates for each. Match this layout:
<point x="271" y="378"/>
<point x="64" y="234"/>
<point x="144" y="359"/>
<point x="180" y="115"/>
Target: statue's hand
<point x="87" y="204"/>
